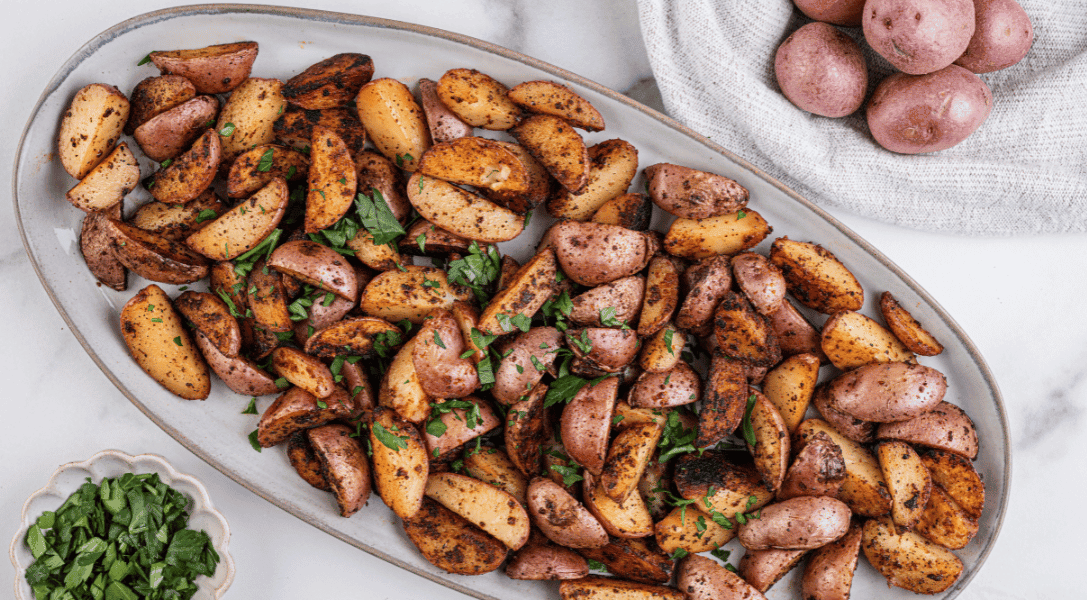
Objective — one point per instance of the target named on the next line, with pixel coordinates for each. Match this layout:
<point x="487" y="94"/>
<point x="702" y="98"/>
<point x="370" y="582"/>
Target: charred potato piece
<point x="634" y="560"/>
<point x="551" y="98"/>
<point x="708" y="281"/>
<point x="211" y="316"/>
<point x="331" y="186"/>
<point x="450" y="542"/>
<point x="595" y="587"/>
<point x="726" y="234"/>
<point x="491" y="509"/>
<point x="744" y="334"/>
<point x="343" y="464"/>
<point x="177" y="222"/>
<point x="632" y="211"/>
<point x="171" y="132"/>
<point x="732" y="485"/>
<point x="294" y="128"/>
<point x="90" y="127"/>
<point x="243" y="227"/>
<point x="829" y="572"/>
<point x="107" y="183"/>
<point x="724" y="402"/>
<point x="400" y="388"/>
<point x="691" y="194"/>
<point x="562" y="518"/>
<point x="559" y="149"/>
<point x="152" y="256"/>
<point x="493" y="466"/>
<point x="252" y="110"/>
<point x="94" y="245"/>
<point x="908" y="560"/>
<point x="462" y="212"/>
<point x="159" y="342"/>
<point x="394" y="122"/>
<point x="946" y="427"/>
<point x="702" y="578"/>
<point x="156" y="95"/>
<point x="944" y="522"/>
<point x="397" y="295"/>
<point x="305" y="462"/>
<point x="530" y="288"/>
<point x="816" y="277"/>
<point x="189" y="174"/>
<point x="614" y="163"/>
<point x="329" y="83"/>
<point x="212" y="69"/>
<point x="445" y="125"/>
<point x="958" y="477"/>
<point x="303" y="371"/>
<point x="851" y="339"/>
<point x="906" y="328"/>
<point x="528" y="429"/>
<point x="297" y="409"/>
<point x="401" y="464"/>
<point x="354" y="336"/>
<point x="255" y="168"/>
<point x="539" y="183"/>
<point x="692" y="531"/>
<point x="478" y="99"/>
<point x="267" y="298"/>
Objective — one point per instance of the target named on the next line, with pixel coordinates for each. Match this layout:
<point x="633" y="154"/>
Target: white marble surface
<point x="1019" y="299"/>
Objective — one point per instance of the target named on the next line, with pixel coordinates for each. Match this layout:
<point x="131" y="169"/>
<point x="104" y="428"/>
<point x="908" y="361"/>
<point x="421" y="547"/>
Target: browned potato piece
<point x="493" y="466"/>
<point x="530" y="288"/>
<point x="908" y="560"/>
<point x="240" y="374"/>
<point x="243" y="227"/>
<point x="256" y="167"/>
<point x="267" y="298"/>
<point x="858" y="430"/>
<point x="355" y="336"/>
<point x="864" y="489"/>
<point x="397" y="295"/>
<point x="304" y="371"/>
<point x="726" y="234"/>
<point x="171" y="132"/>
<point x="294" y="128"/>
<point x="562" y="518"/>
<point x="800" y="523"/>
<point x="539" y="183"/>
<point x="675" y="387"/>
<point x="632" y="559"/>
<point x="524" y="363"/>
<point x="724" y="401"/>
<point x="586" y="424"/>
<point x="957" y="476"/>
<point x="661" y="352"/>
<point x="212" y="69"/>
<point x="152" y="256"/>
<point x="817" y="470"/>
<point x="90" y="127"/>
<point x="304" y="460"/>
<point x="211" y="316"/>
<point x="593" y="253"/>
<point x="155" y="95"/>
<point x="177" y="222"/>
<point x="378" y="176"/>
<point x="478" y="99"/>
<point x="317" y="265"/>
<point x="771" y="450"/>
<point x="603" y="349"/>
<point x="614" y="163"/>
<point x="445" y="125"/>
<point x="732" y="486"/>
<point x="691" y="194"/>
<point x="795" y="334"/>
<point x="944" y="522"/>
<point x="297" y="409"/>
<point x="252" y="110"/>
<point x="329" y="83"/>
<point x="508" y="269"/>
<point x="108" y="183"/>
<point x="829" y="572"/>
<point x="477" y="162"/>
<point x="401" y="464"/>
<point x="551" y="98"/>
<point x="343" y="464"/>
<point x="907" y="480"/>
<point x="708" y="281"/>
<point x="790" y="386"/>
<point x="492" y="509"/>
<point x="887" y="392"/>
<point x="424" y="238"/>
<point x="628" y="518"/>
<point x="450" y="542"/>
<point x="400" y="388"/>
<point x="704" y="579"/>
<point x="394" y="122"/>
<point x="540" y="559"/>
<point x="692" y="531"/>
<point x="851" y="339"/>
<point x="595" y="587"/>
<point x="906" y="328"/>
<point x="946" y="427"/>
<point x="632" y="211"/>
<point x="760" y="281"/>
<point x="630" y="452"/>
<point x="816" y="277"/>
<point x="189" y="174"/>
<point x="441" y="370"/>
<point x="462" y="212"/>
<point x="94" y="245"/>
<point x="160" y="343"/>
<point x="528" y="429"/>
<point x="559" y="149"/>
<point x="763" y="568"/>
<point x="330" y="189"/>
<point x="620" y="300"/>
<point x="744" y="334"/>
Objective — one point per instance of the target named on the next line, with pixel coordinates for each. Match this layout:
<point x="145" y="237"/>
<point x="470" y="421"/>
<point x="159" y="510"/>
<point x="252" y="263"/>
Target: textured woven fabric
<point x="1024" y="171"/>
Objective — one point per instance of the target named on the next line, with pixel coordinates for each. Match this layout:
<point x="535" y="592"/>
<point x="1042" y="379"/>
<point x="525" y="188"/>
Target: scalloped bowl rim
<point x="142" y="463"/>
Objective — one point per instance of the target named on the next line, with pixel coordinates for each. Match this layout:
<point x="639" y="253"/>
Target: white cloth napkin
<point x="1024" y="171"/>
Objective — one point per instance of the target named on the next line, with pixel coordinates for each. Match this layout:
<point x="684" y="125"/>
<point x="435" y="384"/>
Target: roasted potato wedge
<point x="619" y="301"/>
<point x="331" y="186"/>
<point x="858" y="430"/>
<point x="601" y="349"/>
<point x="864" y="489"/>
<point x="539" y="183"/>
<point x="593" y="253"/>
<point x="530" y="288"/>
<point x="330" y="83"/>
<point x="817" y="470"/>
<point x="303" y="371"/>
<point x="248" y="117"/>
<point x="478" y="162"/>
<point x="297" y="409"/>
<point x="493" y="466"/>
<point x="816" y="277"/>
<point x="243" y="227"/>
<point x="595" y="587"/>
<point x="628" y="518"/>
<point x="945" y="427"/>
<point x="708" y="282"/>
<point x="211" y="316"/>
<point x="491" y="509"/>
<point x="540" y="559"/>
<point x="90" y="127"/>
<point x="790" y="386"/>
<point x="633" y="559"/>
<point x="159" y="342"/>
<point x="771" y="450"/>
<point x="450" y="542"/>
<point x="586" y="424"/>
<point x="178" y="221"/>
<point x="726" y="234"/>
<point x="394" y="121"/>
<point x="760" y="281"/>
<point x="724" y="400"/>
<point x="795" y="334"/>
<point x="212" y="69"/>
<point x="171" y="132"/>
<point x="462" y="212"/>
<point x="906" y="328"/>
<point x="108" y="182"/>
<point x="691" y="194"/>
<point x="437" y="357"/>
<point x="661" y="351"/>
<point x="887" y="392"/>
<point x="702" y="578"/>
<point x="94" y="245"/>
<point x="907" y="480"/>
<point x="294" y="128"/>
<point x="851" y="339"/>
<point x="944" y="522"/>
<point x="189" y="174"/>
<point x="743" y="333"/>
<point x="528" y="429"/>
<point x="267" y="298"/>
<point x="800" y="523"/>
<point x="633" y="211"/>
<point x="525" y="361"/>
<point x="401" y="464"/>
<point x="256" y="167"/>
<point x="763" y="568"/>
<point x="562" y="518"/>
<point x="152" y="256"/>
<point x="239" y="373"/>
<point x="958" y="477"/>
<point x="400" y="388"/>
<point x="735" y="488"/>
<point x="445" y="125"/>
<point x="675" y="387"/>
<point x="908" y="560"/>
<point x="661" y="295"/>
<point x="397" y="295"/>
<point x="354" y="336"/>
<point x="559" y="149"/>
<point x="304" y="460"/>
<point x="478" y="99"/>
<point x="155" y="95"/>
<point x="613" y="165"/>
<point x="692" y="531"/>
<point x="551" y="98"/>
<point x="829" y="572"/>
<point x="343" y="464"/>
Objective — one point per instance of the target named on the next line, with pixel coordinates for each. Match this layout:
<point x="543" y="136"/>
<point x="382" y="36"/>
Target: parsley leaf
<point x="748" y="428"/>
<point x="377" y="218"/>
<point x="265" y="164"/>
<point x="389" y="439"/>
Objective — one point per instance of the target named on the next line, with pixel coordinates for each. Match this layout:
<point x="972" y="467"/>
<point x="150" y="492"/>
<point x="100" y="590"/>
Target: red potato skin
<point x="1002" y="36"/>
<point x="887" y="392"/>
<point x="918" y="36"/>
<point x="912" y="114"/>
<point x="586" y="423"/>
<point x="702" y="578"/>
<point x="797" y="524"/>
<point x="829" y="572"/>
<point x="946" y="427"/>
<point x="846" y="13"/>
<point x="817" y="470"/>
<point x="821" y="70"/>
<point x="693" y="194"/>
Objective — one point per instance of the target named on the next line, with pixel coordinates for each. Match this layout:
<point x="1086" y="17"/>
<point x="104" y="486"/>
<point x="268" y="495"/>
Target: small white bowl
<point x="113" y="463"/>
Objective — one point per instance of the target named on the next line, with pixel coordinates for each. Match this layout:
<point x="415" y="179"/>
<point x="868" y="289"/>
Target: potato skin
<point x="796" y="524"/>
<point x="1002" y="36"/>
<point x="919" y="36"/>
<point x="906" y="113"/>
<point x="540" y="559"/>
<point x="562" y="518"/>
<point x="594" y="253"/>
<point x="821" y="70"/>
<point x="846" y="13"/>
<point x="343" y="464"/>
<point x="212" y="69"/>
<point x="817" y="470"/>
<point x="155" y="95"/>
<point x="168" y="133"/>
<point x="829" y="572"/>
<point x="887" y="392"/>
<point x="946" y="427"/>
<point x="692" y="194"/>
<point x="704" y="579"/>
